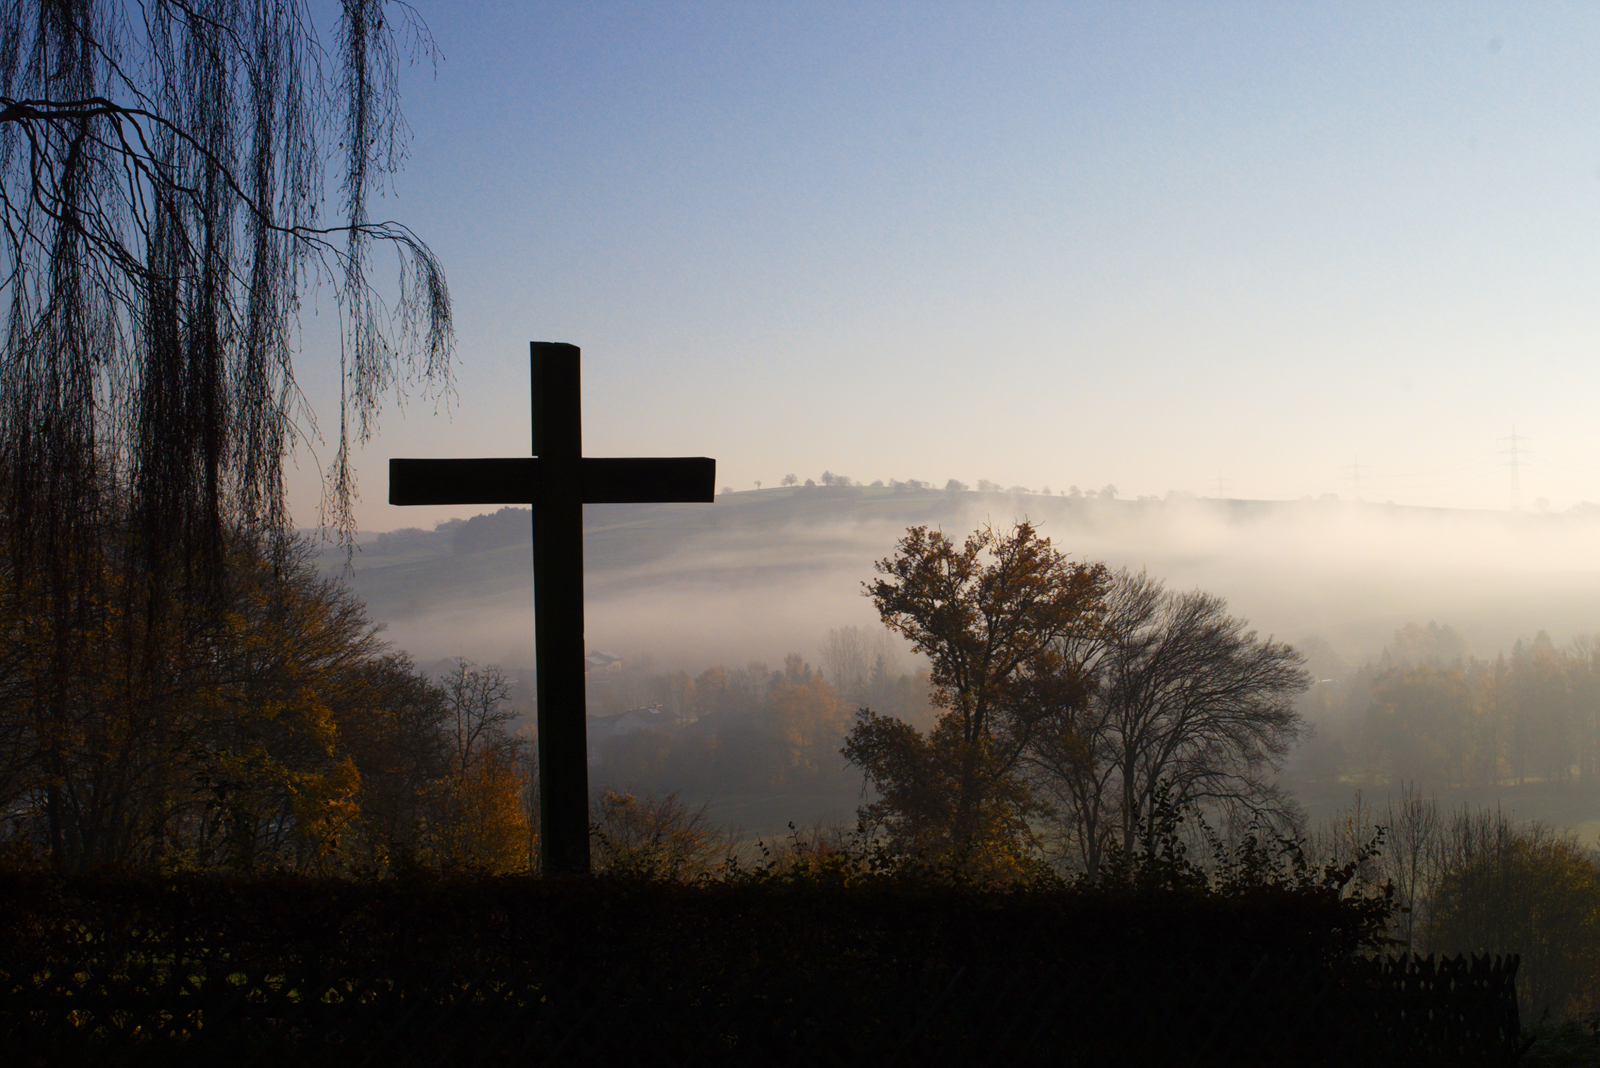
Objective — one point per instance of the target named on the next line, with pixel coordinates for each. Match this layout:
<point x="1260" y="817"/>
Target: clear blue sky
<point x="1141" y="244"/>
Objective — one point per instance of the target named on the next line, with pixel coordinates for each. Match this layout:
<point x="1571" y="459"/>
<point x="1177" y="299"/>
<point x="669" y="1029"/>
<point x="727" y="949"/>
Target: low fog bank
<point x="760" y="575"/>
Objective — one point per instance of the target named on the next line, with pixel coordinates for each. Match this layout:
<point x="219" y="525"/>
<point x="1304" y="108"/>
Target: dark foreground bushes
<point x="813" y="965"/>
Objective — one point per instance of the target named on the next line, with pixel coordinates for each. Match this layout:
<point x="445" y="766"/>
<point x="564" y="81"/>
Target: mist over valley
<point x="758" y="576"/>
<point x="765" y="573"/>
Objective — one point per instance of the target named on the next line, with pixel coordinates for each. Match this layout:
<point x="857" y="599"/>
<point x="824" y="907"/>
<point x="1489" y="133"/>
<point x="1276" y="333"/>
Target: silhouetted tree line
<point x="1428" y="711"/>
<point x="830" y="480"/>
<point x="508" y="526"/>
<point x="1070" y="698"/>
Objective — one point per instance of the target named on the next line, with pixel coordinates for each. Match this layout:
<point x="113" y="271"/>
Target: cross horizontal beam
<point x="515" y="479"/>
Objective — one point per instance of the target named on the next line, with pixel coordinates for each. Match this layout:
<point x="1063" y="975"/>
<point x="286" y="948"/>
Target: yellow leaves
<point x="481" y="819"/>
<point x="943" y="799"/>
<point x="312" y="716"/>
<point x="323" y="805"/>
<point x="983" y="612"/>
<point x="250" y="721"/>
<point x="1535" y="894"/>
<point x="807" y="718"/>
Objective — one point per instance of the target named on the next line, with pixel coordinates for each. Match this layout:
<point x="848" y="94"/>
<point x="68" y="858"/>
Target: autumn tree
<point x="1524" y="890"/>
<point x="278" y="732"/>
<point x="395" y="730"/>
<point x="264" y="687"/>
<point x="480" y="818"/>
<point x="1451" y="719"/>
<point x="989" y="615"/>
<point x="228" y="753"/>
<point x="804" y="714"/>
<point x="442" y="780"/>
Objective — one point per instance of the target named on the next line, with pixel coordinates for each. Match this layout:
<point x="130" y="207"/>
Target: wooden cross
<point x="558" y="480"/>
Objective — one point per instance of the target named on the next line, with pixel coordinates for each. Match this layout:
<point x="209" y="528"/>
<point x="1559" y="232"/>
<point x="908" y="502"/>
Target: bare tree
<point x="479" y="706"/>
<point x="853" y="656"/>
<point x="1170" y="689"/>
<point x="1413" y="826"/>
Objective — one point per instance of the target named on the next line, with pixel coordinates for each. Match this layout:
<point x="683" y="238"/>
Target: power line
<point x="1355" y="470"/>
<point x="1516" y="463"/>
<point x="1222" y="486"/>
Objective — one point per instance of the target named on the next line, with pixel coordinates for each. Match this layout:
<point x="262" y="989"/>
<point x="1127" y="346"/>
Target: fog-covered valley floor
<point x="759" y="575"/>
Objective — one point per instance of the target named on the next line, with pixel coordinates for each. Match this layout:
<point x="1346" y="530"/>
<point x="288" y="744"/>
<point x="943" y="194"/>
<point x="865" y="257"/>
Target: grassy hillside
<point x="401" y="577"/>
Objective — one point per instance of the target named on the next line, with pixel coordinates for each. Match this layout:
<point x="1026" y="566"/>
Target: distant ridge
<point x="485" y="559"/>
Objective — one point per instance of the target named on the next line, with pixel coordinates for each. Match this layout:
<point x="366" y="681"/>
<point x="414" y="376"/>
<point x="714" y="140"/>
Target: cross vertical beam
<point x="558" y="625"/>
<point x="558" y="480"/>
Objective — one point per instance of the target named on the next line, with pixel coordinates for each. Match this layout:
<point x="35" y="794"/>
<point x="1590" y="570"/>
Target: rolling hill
<point x="758" y="574"/>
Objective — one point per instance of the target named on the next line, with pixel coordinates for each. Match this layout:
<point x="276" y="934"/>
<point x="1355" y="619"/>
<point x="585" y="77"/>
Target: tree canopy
<point x="1073" y="697"/>
<point x="989" y="616"/>
<point x="1169" y="692"/>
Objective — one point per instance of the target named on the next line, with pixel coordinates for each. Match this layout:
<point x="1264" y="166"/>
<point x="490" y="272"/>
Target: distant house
<point x="601" y="662"/>
<point x="603" y="728"/>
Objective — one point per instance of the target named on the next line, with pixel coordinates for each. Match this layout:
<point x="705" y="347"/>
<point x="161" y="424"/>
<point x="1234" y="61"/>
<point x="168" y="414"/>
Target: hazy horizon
<point x="1347" y="574"/>
<point x="1301" y="249"/>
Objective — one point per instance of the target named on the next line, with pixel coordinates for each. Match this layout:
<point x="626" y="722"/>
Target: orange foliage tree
<point x="254" y="721"/>
<point x="806" y="716"/>
<point x="990" y="616"/>
<point x="479" y="819"/>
